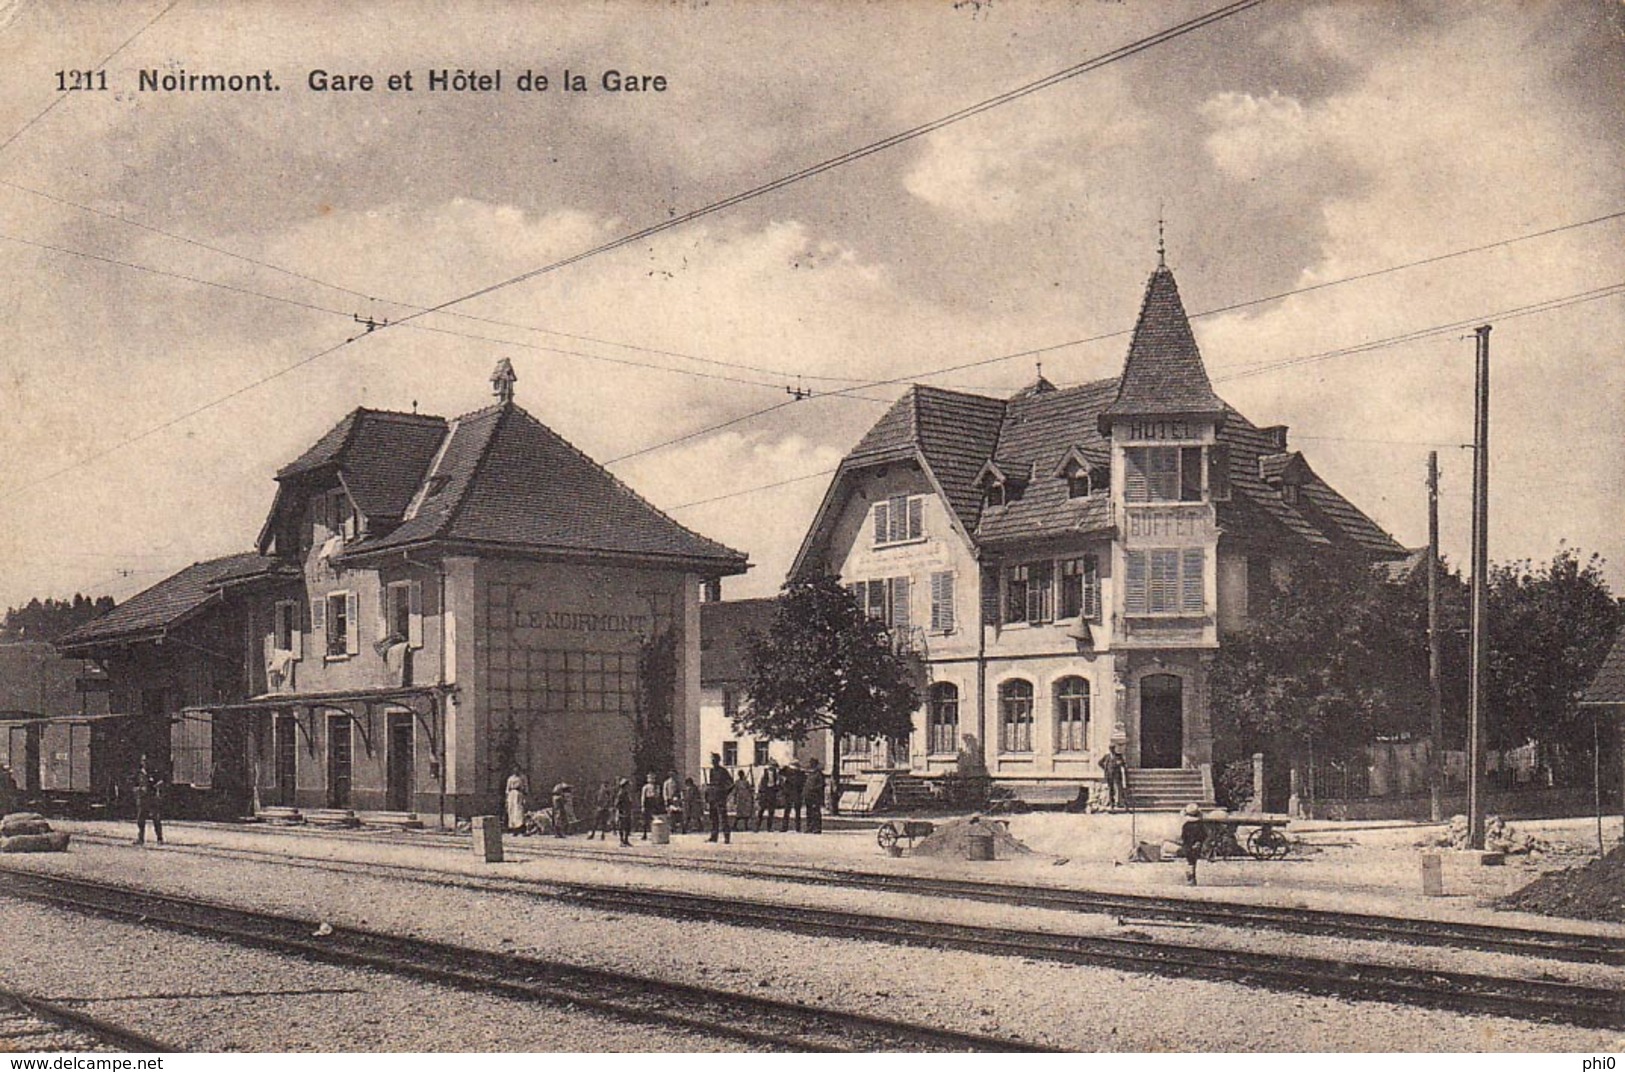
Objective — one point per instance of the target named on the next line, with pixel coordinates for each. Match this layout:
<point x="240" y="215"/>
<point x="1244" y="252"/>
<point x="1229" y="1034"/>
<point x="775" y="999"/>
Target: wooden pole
<point x="1435" y="700"/>
<point x="1480" y="606"/>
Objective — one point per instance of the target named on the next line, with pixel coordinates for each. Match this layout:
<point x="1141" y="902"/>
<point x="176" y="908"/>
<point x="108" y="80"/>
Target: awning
<point x="10" y="719"/>
<point x="272" y="701"/>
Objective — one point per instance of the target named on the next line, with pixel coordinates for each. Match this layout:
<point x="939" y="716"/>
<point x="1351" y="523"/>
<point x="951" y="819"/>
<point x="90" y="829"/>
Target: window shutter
<point x="1091" y="588"/>
<point x="1218" y="472"/>
<point x="414" y="595"/>
<point x="318" y="616"/>
<point x="916" y="517"/>
<point x="900" y="592"/>
<point x="1136" y="486"/>
<point x="882" y="513"/>
<point x="990" y="596"/>
<point x="1035" y="595"/>
<point x="352" y="623"/>
<point x="942" y="602"/>
<point x="1135" y="592"/>
<point x="296" y="631"/>
<point x="1192" y="594"/>
<point x="1164" y="581"/>
<point x="877" y="600"/>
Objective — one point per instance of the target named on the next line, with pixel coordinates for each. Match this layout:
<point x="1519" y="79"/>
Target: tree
<point x="1550" y="627"/>
<point x="52" y="618"/>
<point x="825" y="664"/>
<point x="1338" y="658"/>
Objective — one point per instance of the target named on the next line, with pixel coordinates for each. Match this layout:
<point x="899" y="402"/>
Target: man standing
<point x="790" y="786"/>
<point x="767" y="795"/>
<point x="1191" y="838"/>
<point x="623" y="810"/>
<point x="149" y="803"/>
<point x="718" y="784"/>
<point x="812" y="795"/>
<point x="1112" y="765"/>
<point x="652" y="803"/>
<point x="672" y="791"/>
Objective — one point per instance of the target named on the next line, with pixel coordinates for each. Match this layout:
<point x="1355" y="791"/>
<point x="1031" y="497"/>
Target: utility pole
<point x="1435" y="702"/>
<point x="1481" y="568"/>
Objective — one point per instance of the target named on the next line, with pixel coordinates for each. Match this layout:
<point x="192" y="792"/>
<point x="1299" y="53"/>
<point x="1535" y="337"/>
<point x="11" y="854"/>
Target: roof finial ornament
<point x="1162" y="247"/>
<point x="502" y="381"/>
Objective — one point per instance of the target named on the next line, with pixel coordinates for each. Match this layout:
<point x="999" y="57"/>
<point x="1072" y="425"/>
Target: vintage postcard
<point x="916" y="526"/>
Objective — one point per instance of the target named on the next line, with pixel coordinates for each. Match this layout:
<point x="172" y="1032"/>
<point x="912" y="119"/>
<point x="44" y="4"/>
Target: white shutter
<point x="352" y="622"/>
<point x="1091" y="588"/>
<point x="882" y="514"/>
<point x="900" y="592"/>
<point x="916" y="517"/>
<point x="1135" y="599"/>
<point x="1135" y="486"/>
<point x="298" y="634"/>
<point x="942" y="602"/>
<point x="1192" y="596"/>
<point x="414" y="596"/>
<point x="899" y="519"/>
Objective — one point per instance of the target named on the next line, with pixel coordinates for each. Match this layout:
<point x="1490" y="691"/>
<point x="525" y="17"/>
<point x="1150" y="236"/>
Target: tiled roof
<point x="1608" y="686"/>
<point x="1164" y="372"/>
<point x="724" y="627"/>
<point x="957" y="434"/>
<point x="382" y="455"/>
<point x="1040" y="429"/>
<point x="505" y="478"/>
<point x="171" y="600"/>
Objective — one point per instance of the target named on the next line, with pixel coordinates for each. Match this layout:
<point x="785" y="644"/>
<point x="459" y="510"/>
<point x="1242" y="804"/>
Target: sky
<point x="180" y="272"/>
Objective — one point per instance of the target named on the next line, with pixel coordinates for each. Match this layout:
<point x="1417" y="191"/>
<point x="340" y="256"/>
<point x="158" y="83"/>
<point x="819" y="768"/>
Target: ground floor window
<point x="942" y="718"/>
<point x="1071" y="714"/>
<point x="1016" y="716"/>
<point x="759" y="756"/>
<point x="730" y="753"/>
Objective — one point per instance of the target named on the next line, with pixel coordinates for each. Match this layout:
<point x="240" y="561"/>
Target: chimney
<point x="502" y="381"/>
<point x="1276" y="433"/>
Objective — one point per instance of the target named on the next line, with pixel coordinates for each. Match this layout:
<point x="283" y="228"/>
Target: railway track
<point x="762" y="1023"/>
<point x="30" y="1024"/>
<point x="1544" y="943"/>
<point x="1466" y="992"/>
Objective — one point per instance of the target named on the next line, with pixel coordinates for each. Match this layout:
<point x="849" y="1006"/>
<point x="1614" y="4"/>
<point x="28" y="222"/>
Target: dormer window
<point x="1084" y="477"/>
<point x="994" y="495"/>
<point x="999" y="489"/>
<point x="1078" y="484"/>
<point x="335" y="513"/>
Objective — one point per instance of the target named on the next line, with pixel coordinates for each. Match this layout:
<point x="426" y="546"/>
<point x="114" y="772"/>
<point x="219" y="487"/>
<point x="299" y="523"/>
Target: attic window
<point x="994" y="495"/>
<point x="437" y="484"/>
<point x="1078" y="484"/>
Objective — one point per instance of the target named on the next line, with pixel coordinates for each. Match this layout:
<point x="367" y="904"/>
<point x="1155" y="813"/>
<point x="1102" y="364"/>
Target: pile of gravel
<point x="1595" y="891"/>
<point x="948" y="839"/>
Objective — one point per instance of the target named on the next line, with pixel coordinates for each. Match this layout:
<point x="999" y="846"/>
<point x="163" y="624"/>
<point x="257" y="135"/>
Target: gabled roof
<point x="149" y="613"/>
<point x="1164" y="374"/>
<point x="504" y="479"/>
<point x="724" y="629"/>
<point x="382" y="455"/>
<point x="1608" y="686"/>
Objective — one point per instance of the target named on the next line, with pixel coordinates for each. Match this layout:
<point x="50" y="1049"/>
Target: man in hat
<point x="623" y="810"/>
<point x="812" y="796"/>
<point x="149" y="803"/>
<point x="1191" y="837"/>
<point x="718" y="785"/>
<point x="1112" y="766"/>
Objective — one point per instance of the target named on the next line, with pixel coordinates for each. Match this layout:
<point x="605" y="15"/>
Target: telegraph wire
<point x="62" y="96"/>
<point x="1528" y="310"/>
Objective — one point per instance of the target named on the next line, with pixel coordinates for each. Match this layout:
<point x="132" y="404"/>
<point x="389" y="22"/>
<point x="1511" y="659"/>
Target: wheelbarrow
<point x="893" y="832"/>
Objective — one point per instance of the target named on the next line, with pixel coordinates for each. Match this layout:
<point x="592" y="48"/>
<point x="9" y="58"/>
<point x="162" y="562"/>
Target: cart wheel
<point x="1267" y="843"/>
<point x="886" y="836"/>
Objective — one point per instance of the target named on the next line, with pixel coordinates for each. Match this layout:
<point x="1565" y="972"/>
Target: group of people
<point x="794" y="793"/>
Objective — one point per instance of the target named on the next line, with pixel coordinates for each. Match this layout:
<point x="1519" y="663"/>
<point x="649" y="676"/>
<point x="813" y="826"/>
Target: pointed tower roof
<point x="1163" y="375"/>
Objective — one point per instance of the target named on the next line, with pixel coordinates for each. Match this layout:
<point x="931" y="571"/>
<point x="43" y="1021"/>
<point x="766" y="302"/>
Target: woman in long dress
<point x="516" y="802"/>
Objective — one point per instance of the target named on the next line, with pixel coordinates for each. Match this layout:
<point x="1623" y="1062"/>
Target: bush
<point x="1233" y="783"/>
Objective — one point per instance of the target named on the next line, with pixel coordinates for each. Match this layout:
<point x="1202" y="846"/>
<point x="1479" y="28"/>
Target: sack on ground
<point x="24" y="822"/>
<point x="1147" y="852"/>
<point x="57" y="841"/>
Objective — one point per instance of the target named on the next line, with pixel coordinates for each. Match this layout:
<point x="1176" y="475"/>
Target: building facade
<point x="432" y="607"/>
<point x="1064" y="562"/>
<point x="725" y="629"/>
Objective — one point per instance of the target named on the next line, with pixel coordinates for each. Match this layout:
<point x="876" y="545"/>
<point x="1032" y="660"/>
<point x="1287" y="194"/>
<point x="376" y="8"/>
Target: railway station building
<point x="431" y="606"/>
<point x="1064" y="562"/>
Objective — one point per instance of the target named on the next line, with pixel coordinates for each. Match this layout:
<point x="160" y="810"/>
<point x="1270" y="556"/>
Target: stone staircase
<point x="1167" y="790"/>
<point x="910" y="792"/>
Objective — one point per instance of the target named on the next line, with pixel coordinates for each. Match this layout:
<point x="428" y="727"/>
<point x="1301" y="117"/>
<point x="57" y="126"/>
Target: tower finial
<point x="1162" y="247"/>
<point x="502" y="381"/>
<point x="1040" y="365"/>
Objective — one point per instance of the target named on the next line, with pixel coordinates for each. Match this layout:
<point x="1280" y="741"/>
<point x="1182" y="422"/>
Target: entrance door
<point x="1162" y="721"/>
<point x="287" y="758"/>
<point x="398" y="795"/>
<point x="338" y="761"/>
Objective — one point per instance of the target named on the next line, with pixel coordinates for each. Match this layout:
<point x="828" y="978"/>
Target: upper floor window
<point x="335" y="618"/>
<point x="1029" y="593"/>
<point x="730" y="704"/>
<point x="887" y="600"/>
<point x="1162" y="474"/>
<point x="335" y="513"/>
<point x="285" y="628"/>
<point x="899" y="519"/>
<point x="1016" y="716"/>
<point x="1078" y="484"/>
<point x="403" y="612"/>
<point x="1071" y="714"/>
<point x="1080" y="588"/>
<point x="1165" y="581"/>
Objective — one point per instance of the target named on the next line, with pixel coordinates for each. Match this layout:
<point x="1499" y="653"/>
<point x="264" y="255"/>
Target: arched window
<point x="942" y="718"/>
<point x="1071" y="714"/>
<point x="1016" y="716"/>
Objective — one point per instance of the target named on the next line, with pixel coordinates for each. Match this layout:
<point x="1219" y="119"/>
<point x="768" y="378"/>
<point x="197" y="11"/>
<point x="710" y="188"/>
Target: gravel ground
<point x="211" y="996"/>
<point x="1072" y="1007"/>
